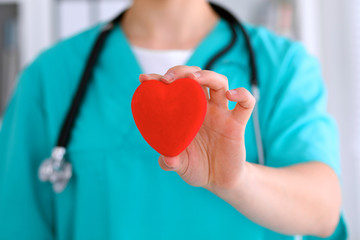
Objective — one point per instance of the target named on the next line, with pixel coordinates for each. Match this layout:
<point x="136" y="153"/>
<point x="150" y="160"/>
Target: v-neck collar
<point x="206" y="49"/>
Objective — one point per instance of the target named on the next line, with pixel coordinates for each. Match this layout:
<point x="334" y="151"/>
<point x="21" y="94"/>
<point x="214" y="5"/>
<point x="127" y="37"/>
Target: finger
<point x="152" y="76"/>
<point x="178" y="72"/>
<point x="163" y="165"/>
<point x="245" y="104"/>
<point x="175" y="164"/>
<point x="217" y="83"/>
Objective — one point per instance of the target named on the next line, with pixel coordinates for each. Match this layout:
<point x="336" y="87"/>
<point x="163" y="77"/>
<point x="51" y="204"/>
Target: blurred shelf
<point x="26" y="28"/>
<point x="9" y="1"/>
<point x="9" y="50"/>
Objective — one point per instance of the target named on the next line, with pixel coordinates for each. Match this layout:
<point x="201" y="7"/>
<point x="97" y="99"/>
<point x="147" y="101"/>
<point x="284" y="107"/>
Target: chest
<point x="105" y="120"/>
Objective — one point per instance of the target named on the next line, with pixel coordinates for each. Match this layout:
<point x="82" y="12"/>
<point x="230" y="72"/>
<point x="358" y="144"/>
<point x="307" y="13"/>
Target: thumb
<point x="245" y="104"/>
<point x="176" y="164"/>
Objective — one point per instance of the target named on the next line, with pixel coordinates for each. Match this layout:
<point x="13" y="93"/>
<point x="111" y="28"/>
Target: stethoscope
<point x="58" y="171"/>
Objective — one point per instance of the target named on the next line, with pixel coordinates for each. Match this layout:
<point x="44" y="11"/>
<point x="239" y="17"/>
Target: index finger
<point x="217" y="83"/>
<point x="153" y="76"/>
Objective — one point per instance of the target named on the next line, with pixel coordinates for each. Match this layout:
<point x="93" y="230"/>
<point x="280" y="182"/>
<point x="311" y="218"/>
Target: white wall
<point x="85" y="14"/>
<point x="36" y="27"/>
<point x="340" y="56"/>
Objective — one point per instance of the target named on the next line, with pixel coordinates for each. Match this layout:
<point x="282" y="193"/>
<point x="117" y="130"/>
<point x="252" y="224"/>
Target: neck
<point x="168" y="24"/>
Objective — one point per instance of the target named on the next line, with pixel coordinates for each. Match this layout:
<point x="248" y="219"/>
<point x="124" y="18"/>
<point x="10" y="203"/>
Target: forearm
<point x="302" y="199"/>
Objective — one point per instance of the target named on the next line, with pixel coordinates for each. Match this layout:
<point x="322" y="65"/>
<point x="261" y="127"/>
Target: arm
<point x="301" y="199"/>
<point x="26" y="204"/>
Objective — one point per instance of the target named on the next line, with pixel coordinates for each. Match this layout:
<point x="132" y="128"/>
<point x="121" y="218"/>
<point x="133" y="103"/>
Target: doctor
<point x="215" y="189"/>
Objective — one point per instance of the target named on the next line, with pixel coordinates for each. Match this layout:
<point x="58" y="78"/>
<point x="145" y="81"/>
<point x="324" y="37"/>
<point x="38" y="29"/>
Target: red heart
<point x="169" y="116"/>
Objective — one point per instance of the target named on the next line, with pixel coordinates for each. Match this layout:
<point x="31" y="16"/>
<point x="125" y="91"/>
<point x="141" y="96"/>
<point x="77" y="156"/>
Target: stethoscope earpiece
<point x="56" y="170"/>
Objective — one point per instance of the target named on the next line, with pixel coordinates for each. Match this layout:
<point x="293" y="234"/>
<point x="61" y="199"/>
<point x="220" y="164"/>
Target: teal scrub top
<point x="118" y="190"/>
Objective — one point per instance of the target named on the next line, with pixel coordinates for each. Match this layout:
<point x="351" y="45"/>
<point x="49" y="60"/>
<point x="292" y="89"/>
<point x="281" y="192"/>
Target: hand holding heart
<point x="215" y="159"/>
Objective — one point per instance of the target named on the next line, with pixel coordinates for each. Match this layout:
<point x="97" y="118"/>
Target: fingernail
<point x="196" y="74"/>
<point x="143" y="75"/>
<point x="168" y="76"/>
<point x="233" y="92"/>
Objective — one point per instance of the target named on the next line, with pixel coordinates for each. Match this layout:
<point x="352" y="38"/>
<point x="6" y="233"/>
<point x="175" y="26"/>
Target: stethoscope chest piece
<point x="56" y="170"/>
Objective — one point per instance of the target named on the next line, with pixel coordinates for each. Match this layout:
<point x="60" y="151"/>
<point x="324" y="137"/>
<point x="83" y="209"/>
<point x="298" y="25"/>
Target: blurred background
<point x="330" y="29"/>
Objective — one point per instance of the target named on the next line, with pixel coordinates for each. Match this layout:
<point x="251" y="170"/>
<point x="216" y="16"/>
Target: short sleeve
<point x="298" y="128"/>
<point x="25" y="202"/>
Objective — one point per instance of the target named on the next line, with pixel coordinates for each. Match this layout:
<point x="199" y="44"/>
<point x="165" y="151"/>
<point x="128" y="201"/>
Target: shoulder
<point x="274" y="49"/>
<point x="53" y="75"/>
<point x="275" y="56"/>
<point x="282" y="62"/>
<point x="76" y="47"/>
<point x="60" y="66"/>
<point x="290" y="78"/>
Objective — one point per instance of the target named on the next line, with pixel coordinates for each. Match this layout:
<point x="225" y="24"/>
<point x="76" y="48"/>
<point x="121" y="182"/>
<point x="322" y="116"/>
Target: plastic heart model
<point x="169" y="116"/>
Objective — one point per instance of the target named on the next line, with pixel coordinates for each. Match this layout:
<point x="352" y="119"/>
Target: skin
<point x="302" y="199"/>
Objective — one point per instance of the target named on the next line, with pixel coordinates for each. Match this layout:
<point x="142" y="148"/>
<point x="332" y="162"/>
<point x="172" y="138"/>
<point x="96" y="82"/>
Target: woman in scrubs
<point x="214" y="189"/>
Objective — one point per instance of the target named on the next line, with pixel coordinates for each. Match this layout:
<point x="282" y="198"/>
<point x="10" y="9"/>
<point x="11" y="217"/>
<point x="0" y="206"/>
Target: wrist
<point x="236" y="187"/>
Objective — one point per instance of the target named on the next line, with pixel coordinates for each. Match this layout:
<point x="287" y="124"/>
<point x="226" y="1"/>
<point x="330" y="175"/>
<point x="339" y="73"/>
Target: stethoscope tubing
<point x="58" y="171"/>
